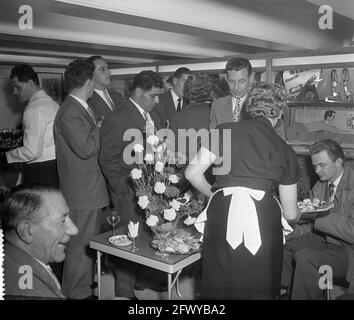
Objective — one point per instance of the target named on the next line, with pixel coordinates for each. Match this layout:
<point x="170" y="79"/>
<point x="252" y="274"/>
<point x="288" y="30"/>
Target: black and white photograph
<point x="184" y="153"/>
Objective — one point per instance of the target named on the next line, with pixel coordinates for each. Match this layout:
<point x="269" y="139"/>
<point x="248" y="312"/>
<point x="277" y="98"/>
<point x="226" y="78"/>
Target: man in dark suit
<point x="329" y="241"/>
<point x="77" y="141"/>
<point x="173" y="100"/>
<point x="146" y="88"/>
<point x="103" y="100"/>
<point x="37" y="229"/>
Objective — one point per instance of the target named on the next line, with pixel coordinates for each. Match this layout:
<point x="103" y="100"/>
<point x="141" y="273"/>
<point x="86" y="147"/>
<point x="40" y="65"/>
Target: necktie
<point x="108" y="99"/>
<point x="179" y="104"/>
<point x="236" y="111"/>
<point x="330" y="191"/>
<point x="145" y="115"/>
<point x="89" y="110"/>
<point x="149" y="124"/>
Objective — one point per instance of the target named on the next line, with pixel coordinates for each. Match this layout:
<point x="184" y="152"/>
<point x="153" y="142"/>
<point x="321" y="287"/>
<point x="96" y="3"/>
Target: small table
<point x="171" y="264"/>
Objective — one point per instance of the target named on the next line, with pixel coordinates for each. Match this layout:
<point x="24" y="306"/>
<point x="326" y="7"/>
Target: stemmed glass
<point x="132" y="237"/>
<point x="133" y="232"/>
<point x="113" y="219"/>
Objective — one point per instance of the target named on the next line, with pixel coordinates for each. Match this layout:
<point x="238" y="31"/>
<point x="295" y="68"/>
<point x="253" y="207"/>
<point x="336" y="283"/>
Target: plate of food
<point x="312" y="209"/>
<point x="120" y="240"/>
<point x="182" y="242"/>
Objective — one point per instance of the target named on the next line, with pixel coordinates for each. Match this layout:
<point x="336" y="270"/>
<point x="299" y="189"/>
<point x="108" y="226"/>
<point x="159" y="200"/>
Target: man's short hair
<point x="24" y="203"/>
<point x="333" y="149"/>
<point x="238" y="64"/>
<point x="180" y="72"/>
<point x="77" y="73"/>
<point x="24" y="73"/>
<point x="92" y="59"/>
<point x="328" y="113"/>
<point x="145" y="80"/>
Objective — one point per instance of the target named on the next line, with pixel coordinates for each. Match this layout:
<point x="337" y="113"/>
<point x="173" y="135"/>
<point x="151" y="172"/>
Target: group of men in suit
<point x="93" y="174"/>
<point x="88" y="134"/>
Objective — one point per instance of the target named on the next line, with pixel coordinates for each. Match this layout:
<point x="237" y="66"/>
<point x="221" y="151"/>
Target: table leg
<point x="172" y="283"/>
<point x="99" y="274"/>
<point x="177" y="287"/>
<point x="169" y="285"/>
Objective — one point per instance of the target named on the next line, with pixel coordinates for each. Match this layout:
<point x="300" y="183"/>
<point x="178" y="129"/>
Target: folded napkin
<point x="133" y="229"/>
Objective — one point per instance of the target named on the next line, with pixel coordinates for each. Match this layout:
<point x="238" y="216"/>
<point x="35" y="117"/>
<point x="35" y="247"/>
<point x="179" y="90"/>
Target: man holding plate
<point x="329" y="240"/>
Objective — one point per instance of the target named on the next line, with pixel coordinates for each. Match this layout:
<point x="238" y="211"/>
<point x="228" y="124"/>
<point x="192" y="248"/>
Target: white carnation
<point x="159" y="149"/>
<point x="152" y="140"/>
<point x="149" y="157"/>
<point x="159" y="187"/>
<point x="152" y="220"/>
<point x="136" y="173"/>
<point x="143" y="202"/>
<point x="169" y="214"/>
<point x="175" y="204"/>
<point x="173" y="178"/>
<point x="159" y="166"/>
<point x="138" y="148"/>
<point x="189" y="221"/>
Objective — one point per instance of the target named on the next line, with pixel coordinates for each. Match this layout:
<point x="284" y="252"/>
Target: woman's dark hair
<point x="198" y="88"/>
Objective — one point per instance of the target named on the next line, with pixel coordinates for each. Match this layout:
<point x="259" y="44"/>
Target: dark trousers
<point x="303" y="258"/>
<point x="129" y="274"/>
<point x="79" y="263"/>
<point x="41" y="173"/>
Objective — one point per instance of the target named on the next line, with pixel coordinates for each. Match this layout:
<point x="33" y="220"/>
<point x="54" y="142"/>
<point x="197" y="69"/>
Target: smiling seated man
<point x="37" y="228"/>
<point x="329" y="241"/>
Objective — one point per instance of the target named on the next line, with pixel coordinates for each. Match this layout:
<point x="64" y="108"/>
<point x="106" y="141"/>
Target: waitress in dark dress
<point x="243" y="239"/>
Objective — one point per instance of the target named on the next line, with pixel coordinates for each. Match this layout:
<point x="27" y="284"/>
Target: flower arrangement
<point x="156" y="184"/>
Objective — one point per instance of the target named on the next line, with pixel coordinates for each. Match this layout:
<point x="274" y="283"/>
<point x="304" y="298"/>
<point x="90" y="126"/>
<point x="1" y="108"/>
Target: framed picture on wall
<point x="52" y="84"/>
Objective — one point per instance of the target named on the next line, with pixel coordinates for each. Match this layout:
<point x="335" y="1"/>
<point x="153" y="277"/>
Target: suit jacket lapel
<point x="342" y="185"/>
<point x="171" y="104"/>
<point x="77" y="105"/>
<point x="24" y="258"/>
<point x="136" y="116"/>
<point x="102" y="102"/>
<point x="227" y="109"/>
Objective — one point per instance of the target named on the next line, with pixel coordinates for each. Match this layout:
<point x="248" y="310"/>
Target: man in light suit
<point x="173" y="100"/>
<point x="37" y="229"/>
<point x="77" y="141"/>
<point x="146" y="88"/>
<point x="330" y="239"/>
<point x="103" y="100"/>
<point x="231" y="108"/>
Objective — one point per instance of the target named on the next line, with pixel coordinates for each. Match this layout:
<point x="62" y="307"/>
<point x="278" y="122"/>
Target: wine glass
<point x="134" y="247"/>
<point x="113" y="219"/>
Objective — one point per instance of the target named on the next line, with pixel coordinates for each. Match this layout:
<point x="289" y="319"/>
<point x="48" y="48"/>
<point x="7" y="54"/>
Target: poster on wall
<point x="335" y="121"/>
<point x="302" y="85"/>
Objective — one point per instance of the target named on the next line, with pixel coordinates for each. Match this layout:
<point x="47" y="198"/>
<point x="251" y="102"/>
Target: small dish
<point x="121" y="240"/>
